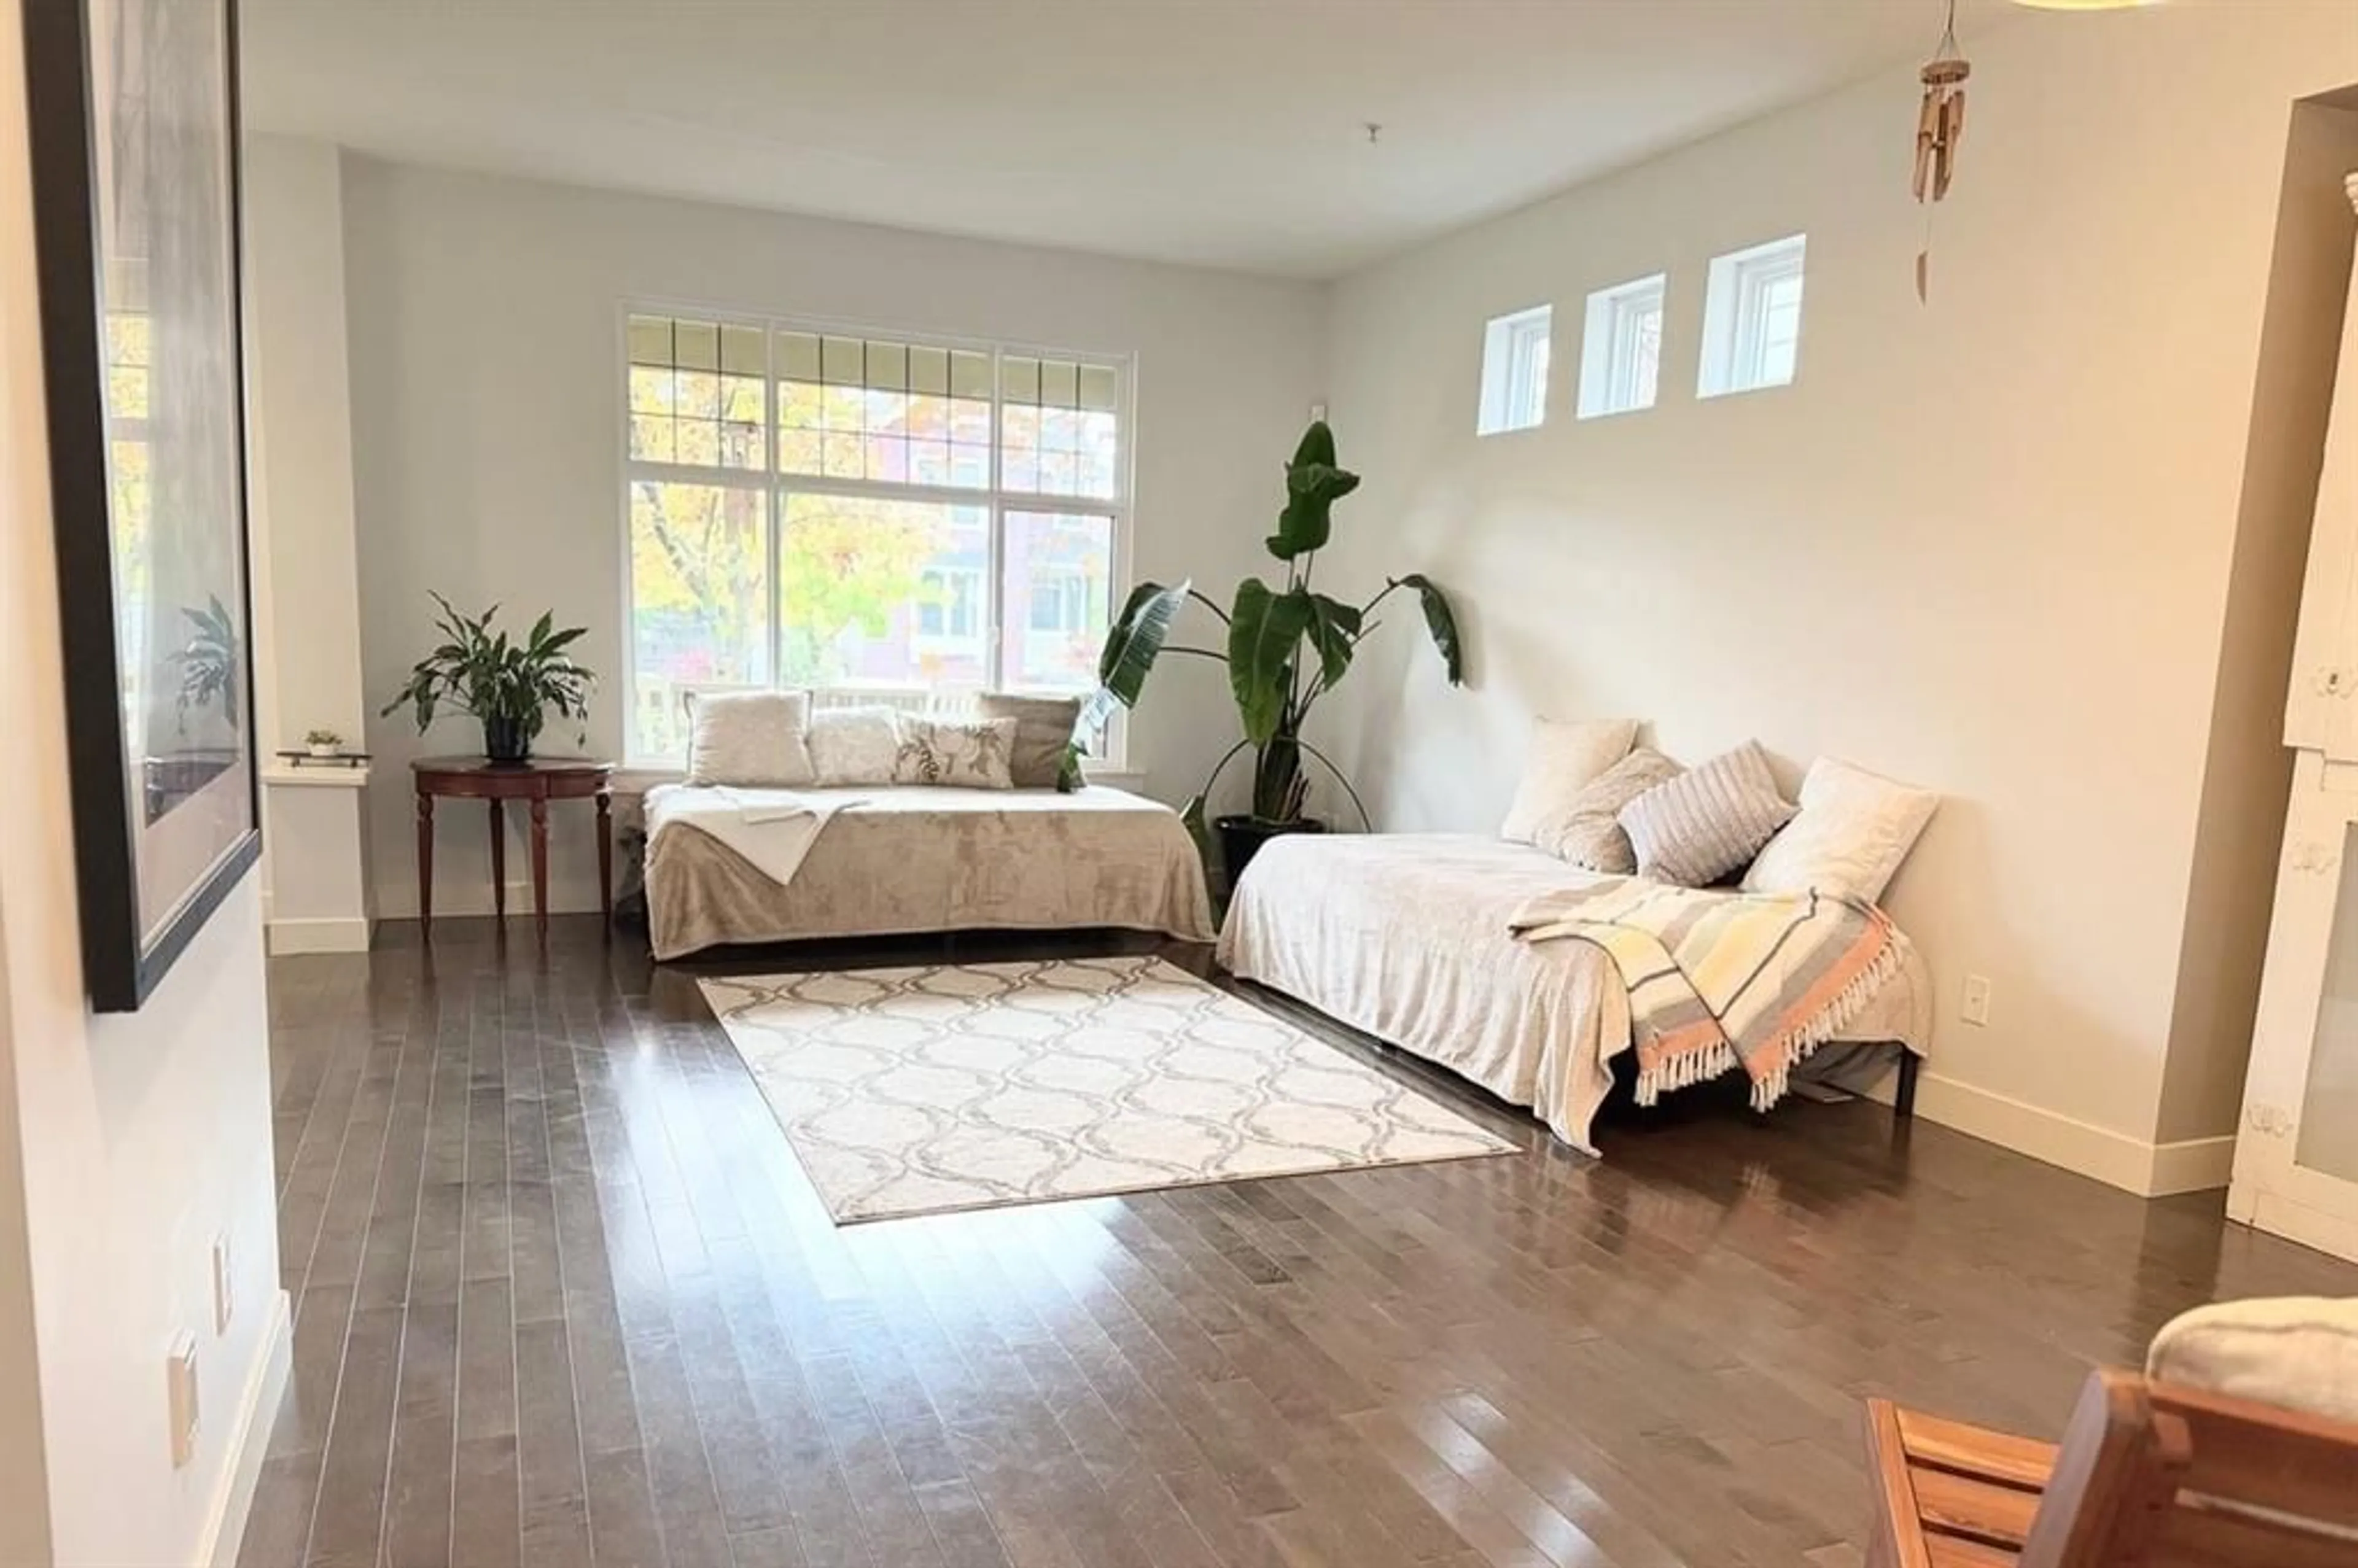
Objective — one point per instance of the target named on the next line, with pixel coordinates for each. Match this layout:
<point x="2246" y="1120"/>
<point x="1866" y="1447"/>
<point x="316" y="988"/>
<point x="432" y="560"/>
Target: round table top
<point x="529" y="765"/>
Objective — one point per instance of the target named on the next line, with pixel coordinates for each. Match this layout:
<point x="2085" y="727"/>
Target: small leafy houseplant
<point x="509" y="685"/>
<point x="323" y="742"/>
<point x="1286" y="647"/>
<point x="208" y="663"/>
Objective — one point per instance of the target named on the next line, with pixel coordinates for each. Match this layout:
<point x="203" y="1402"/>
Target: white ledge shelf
<point x="283" y="776"/>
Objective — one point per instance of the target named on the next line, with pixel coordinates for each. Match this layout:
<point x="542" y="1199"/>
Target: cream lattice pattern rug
<point x="914" y="1091"/>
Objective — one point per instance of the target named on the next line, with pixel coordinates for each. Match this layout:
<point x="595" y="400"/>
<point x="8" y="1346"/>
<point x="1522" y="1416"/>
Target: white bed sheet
<point x="1404" y="936"/>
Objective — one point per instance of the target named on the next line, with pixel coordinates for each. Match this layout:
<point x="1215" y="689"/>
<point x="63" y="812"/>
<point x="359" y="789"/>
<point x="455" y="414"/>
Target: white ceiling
<point x="1220" y="131"/>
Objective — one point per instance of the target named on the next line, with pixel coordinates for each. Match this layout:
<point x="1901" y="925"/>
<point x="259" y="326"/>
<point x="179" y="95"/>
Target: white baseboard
<point x="2148" y="1170"/>
<point x="342" y="934"/>
<point x="2335" y="1235"/>
<point x="2191" y="1166"/>
<point x="249" y="1438"/>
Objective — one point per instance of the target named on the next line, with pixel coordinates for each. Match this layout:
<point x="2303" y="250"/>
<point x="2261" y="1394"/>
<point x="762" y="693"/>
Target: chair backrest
<point x="2155" y="1476"/>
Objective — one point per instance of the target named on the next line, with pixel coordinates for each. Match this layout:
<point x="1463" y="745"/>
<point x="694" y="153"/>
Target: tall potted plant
<point x="510" y="686"/>
<point x="1285" y="647"/>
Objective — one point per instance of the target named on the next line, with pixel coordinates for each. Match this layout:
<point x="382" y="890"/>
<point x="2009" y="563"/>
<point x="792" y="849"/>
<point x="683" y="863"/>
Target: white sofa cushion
<point x="753" y="739"/>
<point x="1565" y="756"/>
<point x="1694" y="829"/>
<point x="854" y="746"/>
<point x="1853" y="831"/>
<point x="2297" y="1352"/>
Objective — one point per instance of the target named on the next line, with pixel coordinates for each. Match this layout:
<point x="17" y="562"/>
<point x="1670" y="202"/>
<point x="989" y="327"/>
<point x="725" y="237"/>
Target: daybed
<point x="902" y="860"/>
<point x="1405" y="937"/>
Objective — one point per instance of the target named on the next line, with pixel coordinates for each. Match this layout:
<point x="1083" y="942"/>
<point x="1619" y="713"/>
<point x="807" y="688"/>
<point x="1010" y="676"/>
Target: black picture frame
<point x="155" y="595"/>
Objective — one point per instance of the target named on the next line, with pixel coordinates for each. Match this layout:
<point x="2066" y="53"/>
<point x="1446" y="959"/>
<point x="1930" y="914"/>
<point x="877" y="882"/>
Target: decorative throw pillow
<point x="1695" y="829"/>
<point x="959" y="753"/>
<point x="1587" y="833"/>
<point x="752" y="739"/>
<point x="2299" y="1352"/>
<point x="853" y="746"/>
<point x="1043" y="731"/>
<point x="1565" y="755"/>
<point x="1854" y="829"/>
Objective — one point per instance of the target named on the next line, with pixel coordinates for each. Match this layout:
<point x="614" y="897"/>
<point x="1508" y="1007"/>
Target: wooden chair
<point x="2149" y="1476"/>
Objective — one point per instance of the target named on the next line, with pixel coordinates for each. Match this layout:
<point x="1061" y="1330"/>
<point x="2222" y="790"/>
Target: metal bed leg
<point x="1903" y="1103"/>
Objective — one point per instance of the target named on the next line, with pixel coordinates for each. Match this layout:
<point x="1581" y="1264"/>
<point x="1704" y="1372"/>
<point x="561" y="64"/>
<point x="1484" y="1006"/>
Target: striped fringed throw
<point x="1721" y="979"/>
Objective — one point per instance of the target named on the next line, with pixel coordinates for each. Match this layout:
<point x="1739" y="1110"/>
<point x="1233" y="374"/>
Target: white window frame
<point x="1611" y="347"/>
<point x="1113" y="744"/>
<point x="1734" y="317"/>
<point x="1515" y="364"/>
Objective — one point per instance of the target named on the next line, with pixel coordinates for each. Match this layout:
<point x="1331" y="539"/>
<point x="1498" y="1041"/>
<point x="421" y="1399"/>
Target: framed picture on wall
<point x="133" y="132"/>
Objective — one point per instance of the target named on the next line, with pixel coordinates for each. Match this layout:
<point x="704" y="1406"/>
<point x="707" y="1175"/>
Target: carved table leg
<point x="499" y="867"/>
<point x="606" y="858"/>
<point x="425" y="867"/>
<point x="540" y="866"/>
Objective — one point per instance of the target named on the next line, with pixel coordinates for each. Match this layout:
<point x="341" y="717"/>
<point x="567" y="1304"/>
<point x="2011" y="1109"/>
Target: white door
<point x="2296" y="1151"/>
<point x="2321" y="708"/>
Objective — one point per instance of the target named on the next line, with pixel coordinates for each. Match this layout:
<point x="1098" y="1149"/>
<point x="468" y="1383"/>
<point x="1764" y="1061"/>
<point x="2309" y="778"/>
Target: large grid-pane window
<point x="880" y="519"/>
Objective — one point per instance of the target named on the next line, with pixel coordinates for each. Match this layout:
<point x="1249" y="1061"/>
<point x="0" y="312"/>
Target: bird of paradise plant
<point x="1285" y="647"/>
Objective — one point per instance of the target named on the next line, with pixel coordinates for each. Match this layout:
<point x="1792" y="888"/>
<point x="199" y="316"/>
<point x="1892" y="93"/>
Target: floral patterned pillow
<point x="958" y="753"/>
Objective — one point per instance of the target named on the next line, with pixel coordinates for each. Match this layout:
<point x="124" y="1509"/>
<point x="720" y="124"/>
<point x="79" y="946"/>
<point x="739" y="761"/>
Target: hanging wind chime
<point x="1939" y="127"/>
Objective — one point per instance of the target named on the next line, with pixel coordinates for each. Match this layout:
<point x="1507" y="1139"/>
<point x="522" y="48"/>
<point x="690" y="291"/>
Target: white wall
<point x="1984" y="545"/>
<point x="301" y="379"/>
<point x="128" y="1141"/>
<point x="306" y="557"/>
<point x="486" y="410"/>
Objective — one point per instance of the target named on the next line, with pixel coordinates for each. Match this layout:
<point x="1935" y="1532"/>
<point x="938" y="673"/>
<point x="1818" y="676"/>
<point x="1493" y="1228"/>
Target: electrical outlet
<point x="1976" y="1005"/>
<point x="180" y="1378"/>
<point x="225" y="1302"/>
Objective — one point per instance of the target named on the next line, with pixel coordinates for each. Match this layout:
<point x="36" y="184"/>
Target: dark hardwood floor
<point x="562" y="1296"/>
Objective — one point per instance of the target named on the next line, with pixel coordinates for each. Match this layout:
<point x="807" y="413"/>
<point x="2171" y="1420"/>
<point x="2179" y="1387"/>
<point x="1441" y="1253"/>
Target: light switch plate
<point x="225" y="1301"/>
<point x="180" y="1374"/>
<point x="1976" y="1004"/>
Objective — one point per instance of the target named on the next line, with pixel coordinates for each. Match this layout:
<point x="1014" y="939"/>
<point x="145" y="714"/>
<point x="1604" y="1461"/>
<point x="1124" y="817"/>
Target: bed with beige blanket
<point x="1405" y="937"/>
<point x="741" y="866"/>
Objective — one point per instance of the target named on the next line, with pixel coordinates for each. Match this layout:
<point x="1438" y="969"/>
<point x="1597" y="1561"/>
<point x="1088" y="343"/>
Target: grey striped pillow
<point x="1694" y="829"/>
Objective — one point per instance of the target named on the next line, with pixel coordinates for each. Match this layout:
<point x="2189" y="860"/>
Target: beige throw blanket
<point x="1721" y="979"/>
<point x="773" y="829"/>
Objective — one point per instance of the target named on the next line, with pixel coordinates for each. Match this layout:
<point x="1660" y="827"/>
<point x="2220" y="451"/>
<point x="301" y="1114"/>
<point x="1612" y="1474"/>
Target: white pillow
<point x="1590" y="835"/>
<point x="1854" y="829"/>
<point x="956" y="753"/>
<point x="1566" y="755"/>
<point x="2296" y="1352"/>
<point x="853" y="746"/>
<point x="752" y="739"/>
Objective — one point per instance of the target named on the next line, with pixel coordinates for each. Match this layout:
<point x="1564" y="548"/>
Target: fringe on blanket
<point x="1794" y="1047"/>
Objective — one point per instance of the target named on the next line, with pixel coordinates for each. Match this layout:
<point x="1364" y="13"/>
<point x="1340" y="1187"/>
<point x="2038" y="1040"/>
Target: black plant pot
<point x="506" y="741"/>
<point x="1242" y="837"/>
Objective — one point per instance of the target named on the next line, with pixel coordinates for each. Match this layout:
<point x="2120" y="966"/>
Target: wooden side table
<point x="535" y="781"/>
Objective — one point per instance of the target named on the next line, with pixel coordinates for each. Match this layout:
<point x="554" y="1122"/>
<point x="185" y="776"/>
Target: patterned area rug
<point x="949" y="1087"/>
